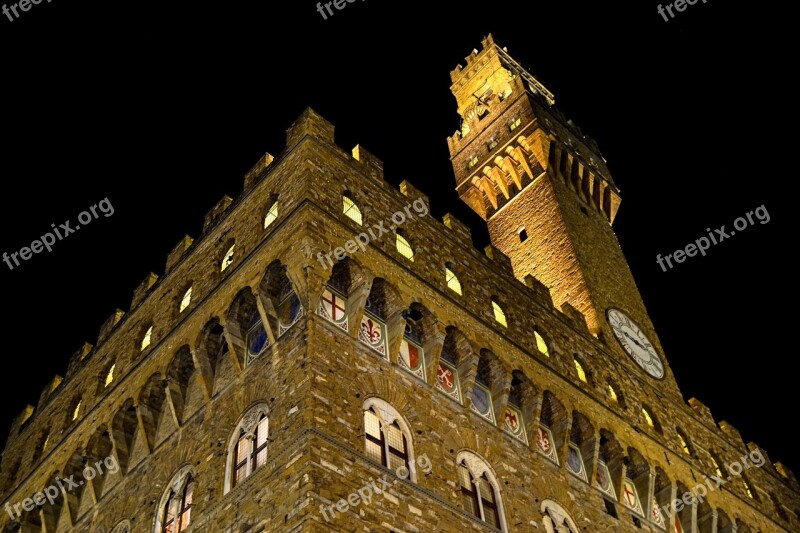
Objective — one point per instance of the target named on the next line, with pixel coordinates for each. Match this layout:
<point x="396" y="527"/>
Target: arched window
<point x="387" y="436"/>
<point x="272" y="214"/>
<point x="580" y="371"/>
<point x="77" y="411"/>
<point x="247" y="450"/>
<point x="612" y="394"/>
<point x="186" y="300"/>
<point x="499" y="314"/>
<point x="122" y="527"/>
<point x="557" y="519"/>
<point x="683" y="440"/>
<point x="541" y="345"/>
<point x="175" y="507"/>
<point x="480" y="495"/>
<point x="147" y="337"/>
<point x="350" y="208"/>
<point x="110" y="376"/>
<point x="227" y="259"/>
<point x="403" y="246"/>
<point x="452" y="280"/>
<point x="650" y="418"/>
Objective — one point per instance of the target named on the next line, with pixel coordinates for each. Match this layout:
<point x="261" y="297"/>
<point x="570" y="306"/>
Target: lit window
<point x="251" y="450"/>
<point x="146" y="339"/>
<point x="77" y="411"/>
<point x="385" y="443"/>
<point x="580" y="371"/>
<point x="515" y="124"/>
<point x="648" y="418"/>
<point x="46" y="440"/>
<point x="479" y="496"/>
<point x="492" y="143"/>
<point x="110" y="375"/>
<point x="404" y="248"/>
<point x="228" y="259"/>
<point x="499" y="315"/>
<point x="350" y="209"/>
<point x="717" y="468"/>
<point x="541" y="345"/>
<point x="684" y="444"/>
<point x="452" y="281"/>
<point x="177" y="514"/>
<point x="748" y="489"/>
<point x="472" y="162"/>
<point x="612" y="394"/>
<point x="186" y="300"/>
<point x="272" y="215"/>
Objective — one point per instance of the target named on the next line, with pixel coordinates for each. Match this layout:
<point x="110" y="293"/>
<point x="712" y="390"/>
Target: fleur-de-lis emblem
<point x="372" y="332"/>
<point x="543" y="440"/>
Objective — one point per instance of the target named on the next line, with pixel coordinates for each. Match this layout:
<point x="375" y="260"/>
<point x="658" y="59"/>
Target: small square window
<point x="516" y="123"/>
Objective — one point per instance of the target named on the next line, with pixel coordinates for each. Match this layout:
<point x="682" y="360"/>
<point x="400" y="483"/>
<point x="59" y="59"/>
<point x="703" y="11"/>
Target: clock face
<point x="635" y="343"/>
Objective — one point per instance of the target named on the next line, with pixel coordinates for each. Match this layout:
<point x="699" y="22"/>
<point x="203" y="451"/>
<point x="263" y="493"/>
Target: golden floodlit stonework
<point x="419" y="385"/>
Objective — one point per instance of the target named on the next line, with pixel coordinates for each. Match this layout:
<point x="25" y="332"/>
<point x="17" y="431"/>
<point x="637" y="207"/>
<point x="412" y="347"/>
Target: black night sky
<point x="162" y="108"/>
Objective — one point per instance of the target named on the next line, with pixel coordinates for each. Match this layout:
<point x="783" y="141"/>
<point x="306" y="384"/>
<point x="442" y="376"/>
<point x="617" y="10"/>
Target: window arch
<point x="480" y="491"/>
<point x="451" y="279"/>
<point x="403" y="246"/>
<point x="580" y="370"/>
<point x="557" y="519"/>
<point x="650" y="418"/>
<point x="351" y="209"/>
<point x="499" y="314"/>
<point x="227" y="259"/>
<point x="122" y="527"/>
<point x="185" y="300"/>
<point x="541" y="344"/>
<point x="247" y="449"/>
<point x="684" y="442"/>
<point x="272" y="211"/>
<point x="387" y="437"/>
<point x="333" y="305"/>
<point x="174" y="511"/>
<point x="146" y="338"/>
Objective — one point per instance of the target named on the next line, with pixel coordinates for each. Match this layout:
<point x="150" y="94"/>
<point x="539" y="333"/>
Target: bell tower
<point x="543" y="188"/>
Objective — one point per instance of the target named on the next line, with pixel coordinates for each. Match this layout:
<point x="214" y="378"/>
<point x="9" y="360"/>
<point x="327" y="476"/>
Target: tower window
<point x="110" y="375"/>
<point x="146" y="339"/>
<point x="386" y="442"/>
<point x="581" y="372"/>
<point x="479" y="495"/>
<point x="612" y="394"/>
<point x="178" y="510"/>
<point x="452" y="280"/>
<point x="186" y="300"/>
<point x="523" y="235"/>
<point x="228" y="259"/>
<point x="499" y="314"/>
<point x="684" y="442"/>
<point x="493" y="142"/>
<point x="541" y="345"/>
<point x="472" y="162"/>
<point x="272" y="215"/>
<point x="251" y="450"/>
<point x="77" y="411"/>
<point x="648" y="418"/>
<point x="516" y="123"/>
<point x="404" y="247"/>
<point x="350" y="209"/>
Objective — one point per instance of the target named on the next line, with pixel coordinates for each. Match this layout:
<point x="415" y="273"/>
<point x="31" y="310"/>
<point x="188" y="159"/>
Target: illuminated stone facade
<point x="324" y="374"/>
